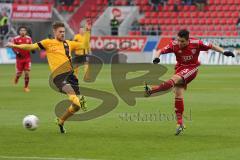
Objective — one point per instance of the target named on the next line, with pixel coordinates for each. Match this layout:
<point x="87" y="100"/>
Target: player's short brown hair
<point x="183" y="33"/>
<point x="56" y="25"/>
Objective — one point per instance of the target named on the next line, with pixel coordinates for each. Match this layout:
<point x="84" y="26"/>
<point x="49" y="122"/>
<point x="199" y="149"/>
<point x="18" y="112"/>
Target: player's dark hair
<point x="56" y="25"/>
<point x="21" y="27"/>
<point x="183" y="34"/>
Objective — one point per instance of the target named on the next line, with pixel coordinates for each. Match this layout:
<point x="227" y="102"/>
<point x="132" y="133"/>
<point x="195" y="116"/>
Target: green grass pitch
<point x="212" y="108"/>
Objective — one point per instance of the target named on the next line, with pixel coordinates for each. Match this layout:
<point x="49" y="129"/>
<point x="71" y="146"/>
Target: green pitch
<point x="212" y="118"/>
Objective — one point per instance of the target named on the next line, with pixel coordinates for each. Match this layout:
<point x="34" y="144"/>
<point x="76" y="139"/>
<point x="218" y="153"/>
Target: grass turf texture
<point x="212" y="133"/>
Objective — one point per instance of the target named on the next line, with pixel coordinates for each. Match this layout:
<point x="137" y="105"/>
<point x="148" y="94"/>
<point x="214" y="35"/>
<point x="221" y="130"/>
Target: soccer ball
<point x="30" y="122"/>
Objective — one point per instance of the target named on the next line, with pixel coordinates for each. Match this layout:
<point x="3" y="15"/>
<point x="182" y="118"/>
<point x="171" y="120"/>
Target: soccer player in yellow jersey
<point x="59" y="59"/>
<point x="83" y="36"/>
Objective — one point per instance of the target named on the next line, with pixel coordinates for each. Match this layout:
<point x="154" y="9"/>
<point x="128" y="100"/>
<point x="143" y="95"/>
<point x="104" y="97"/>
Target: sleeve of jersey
<point x="167" y="49"/>
<point x="43" y="44"/>
<point x="76" y="45"/>
<point x="204" y="46"/>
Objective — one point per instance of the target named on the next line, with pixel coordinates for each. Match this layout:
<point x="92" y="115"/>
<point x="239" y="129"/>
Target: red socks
<point x="26" y="80"/>
<point x="163" y="87"/>
<point x="179" y="108"/>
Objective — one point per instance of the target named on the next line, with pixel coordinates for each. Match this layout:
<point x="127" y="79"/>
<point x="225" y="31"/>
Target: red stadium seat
<point x="235" y="14"/>
<point x="211" y="2"/>
<point x="212" y="8"/>
<point x="144" y="2"/>
<point x="154" y="14"/>
<point x="188" y="21"/>
<point x="180" y="7"/>
<point x="207" y="14"/>
<point x="214" y="14"/>
<point x="223" y="21"/>
<point x="192" y="8"/>
<point x="230" y="1"/>
<point x="224" y="2"/>
<point x="147" y="21"/>
<point x="70" y="8"/>
<point x="219" y="8"/>
<point x="154" y="21"/>
<point x="211" y="28"/>
<point x="202" y="21"/>
<point x="187" y="14"/>
<point x="226" y="8"/>
<point x="174" y="21"/>
<point x="173" y="14"/>
<point x="201" y="14"/>
<point x="182" y="21"/>
<point x="171" y="2"/>
<point x="167" y="21"/>
<point x="233" y="8"/>
<point x="209" y="21"/>
<point x="216" y="21"/>
<point x="141" y="21"/>
<point x="194" y="14"/>
<point x="228" y="14"/>
<point x="161" y="21"/>
<point x="220" y="14"/>
<point x="76" y="2"/>
<point x="160" y="14"/>
<point x="181" y="14"/>
<point x="148" y="14"/>
<point x="218" y="27"/>
<point x="195" y="21"/>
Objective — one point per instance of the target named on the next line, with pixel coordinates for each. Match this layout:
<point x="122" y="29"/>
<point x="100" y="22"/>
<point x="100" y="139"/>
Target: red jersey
<point x="187" y="56"/>
<point x="24" y="54"/>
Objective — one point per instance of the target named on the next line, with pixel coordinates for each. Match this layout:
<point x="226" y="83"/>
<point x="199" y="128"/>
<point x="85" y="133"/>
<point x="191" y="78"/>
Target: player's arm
<point x="28" y="47"/>
<point x="221" y="50"/>
<point x="204" y="46"/>
<point x="165" y="50"/>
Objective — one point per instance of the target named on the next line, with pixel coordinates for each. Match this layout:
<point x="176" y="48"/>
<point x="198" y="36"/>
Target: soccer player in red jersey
<point x="23" y="59"/>
<point x="186" y="50"/>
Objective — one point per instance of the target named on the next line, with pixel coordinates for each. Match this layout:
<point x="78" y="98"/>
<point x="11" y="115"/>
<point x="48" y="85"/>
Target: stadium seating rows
<point x="219" y="18"/>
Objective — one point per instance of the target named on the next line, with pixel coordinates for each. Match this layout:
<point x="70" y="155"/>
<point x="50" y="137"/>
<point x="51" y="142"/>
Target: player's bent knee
<point x="177" y="79"/>
<point x="74" y="99"/>
<point x="73" y="108"/>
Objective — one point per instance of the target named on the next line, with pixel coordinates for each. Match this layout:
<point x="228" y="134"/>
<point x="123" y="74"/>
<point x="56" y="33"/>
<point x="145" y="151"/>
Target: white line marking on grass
<point x="42" y="158"/>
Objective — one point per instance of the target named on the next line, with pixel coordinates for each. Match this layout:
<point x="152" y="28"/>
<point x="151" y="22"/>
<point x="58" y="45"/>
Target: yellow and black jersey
<point x="59" y="54"/>
<point x="85" y="40"/>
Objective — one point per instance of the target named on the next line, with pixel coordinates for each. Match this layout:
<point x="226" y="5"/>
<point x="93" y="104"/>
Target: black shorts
<point x="67" y="78"/>
<point x="80" y="59"/>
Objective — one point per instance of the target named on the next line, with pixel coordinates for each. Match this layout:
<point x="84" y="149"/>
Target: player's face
<point x="23" y="32"/>
<point x="182" y="42"/>
<point x="59" y="33"/>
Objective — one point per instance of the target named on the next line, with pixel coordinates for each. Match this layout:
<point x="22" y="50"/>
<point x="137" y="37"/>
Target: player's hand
<point x="156" y="60"/>
<point x="228" y="54"/>
<point x="9" y="45"/>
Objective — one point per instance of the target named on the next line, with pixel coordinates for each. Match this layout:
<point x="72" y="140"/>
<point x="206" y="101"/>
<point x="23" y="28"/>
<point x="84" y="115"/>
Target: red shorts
<point x="188" y="73"/>
<point x="23" y="65"/>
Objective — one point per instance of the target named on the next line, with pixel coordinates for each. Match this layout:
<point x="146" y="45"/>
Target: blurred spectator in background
<point x="200" y="4"/>
<point x="114" y="23"/>
<point x="237" y="52"/>
<point x="155" y="4"/>
<point x="3" y="24"/>
<point x="188" y="2"/>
